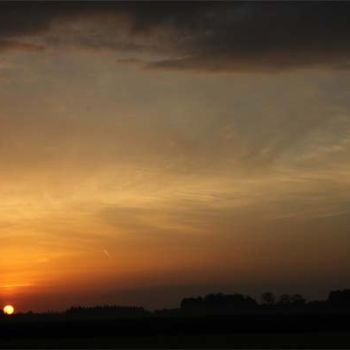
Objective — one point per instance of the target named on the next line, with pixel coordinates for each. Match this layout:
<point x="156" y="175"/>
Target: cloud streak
<point x="196" y="36"/>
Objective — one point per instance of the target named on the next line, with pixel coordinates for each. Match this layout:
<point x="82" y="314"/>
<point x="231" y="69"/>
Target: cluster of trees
<point x="339" y="298"/>
<point x="269" y="298"/>
<point x="241" y="301"/>
<point x="219" y="301"/>
<point x="238" y="302"/>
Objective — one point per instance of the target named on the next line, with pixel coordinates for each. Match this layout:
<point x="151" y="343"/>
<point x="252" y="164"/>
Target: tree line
<point x="220" y="303"/>
<point x="337" y="300"/>
<point x="230" y="303"/>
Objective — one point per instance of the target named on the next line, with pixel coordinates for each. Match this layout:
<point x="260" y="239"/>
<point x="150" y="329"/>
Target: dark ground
<point x="230" y="331"/>
<point x="232" y="341"/>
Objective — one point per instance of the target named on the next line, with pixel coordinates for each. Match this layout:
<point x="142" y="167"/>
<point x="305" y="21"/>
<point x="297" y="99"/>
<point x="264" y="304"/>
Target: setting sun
<point x="8" y="310"/>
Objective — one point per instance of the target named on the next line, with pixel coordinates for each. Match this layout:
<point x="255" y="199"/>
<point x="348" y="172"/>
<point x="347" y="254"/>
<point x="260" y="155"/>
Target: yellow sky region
<point x="142" y="234"/>
<point x="117" y="178"/>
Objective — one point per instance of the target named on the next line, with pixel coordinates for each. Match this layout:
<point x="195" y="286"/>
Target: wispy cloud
<point x="206" y="37"/>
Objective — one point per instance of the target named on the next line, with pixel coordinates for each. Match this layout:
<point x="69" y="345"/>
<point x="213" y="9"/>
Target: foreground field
<point x="301" y="341"/>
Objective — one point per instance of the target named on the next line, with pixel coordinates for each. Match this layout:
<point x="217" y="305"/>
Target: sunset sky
<point x="151" y="151"/>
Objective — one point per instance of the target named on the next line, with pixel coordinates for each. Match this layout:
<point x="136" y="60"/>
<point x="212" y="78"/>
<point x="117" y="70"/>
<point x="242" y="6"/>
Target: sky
<point x="151" y="151"/>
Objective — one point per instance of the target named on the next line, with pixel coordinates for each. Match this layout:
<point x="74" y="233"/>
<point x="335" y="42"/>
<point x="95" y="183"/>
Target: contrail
<point x="106" y="253"/>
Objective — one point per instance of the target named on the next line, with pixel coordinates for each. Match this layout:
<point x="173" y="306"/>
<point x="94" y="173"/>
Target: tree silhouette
<point x="190" y="303"/>
<point x="339" y="298"/>
<point x="297" y="299"/>
<point x="284" y="299"/>
<point x="294" y="299"/>
<point x="268" y="298"/>
<point x="218" y="303"/>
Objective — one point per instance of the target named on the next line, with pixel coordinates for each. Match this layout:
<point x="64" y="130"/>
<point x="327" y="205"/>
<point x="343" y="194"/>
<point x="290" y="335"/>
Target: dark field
<point x="292" y="341"/>
<point x="235" y="331"/>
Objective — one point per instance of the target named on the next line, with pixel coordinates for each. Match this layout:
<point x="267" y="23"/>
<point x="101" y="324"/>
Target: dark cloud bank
<point x="203" y="36"/>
